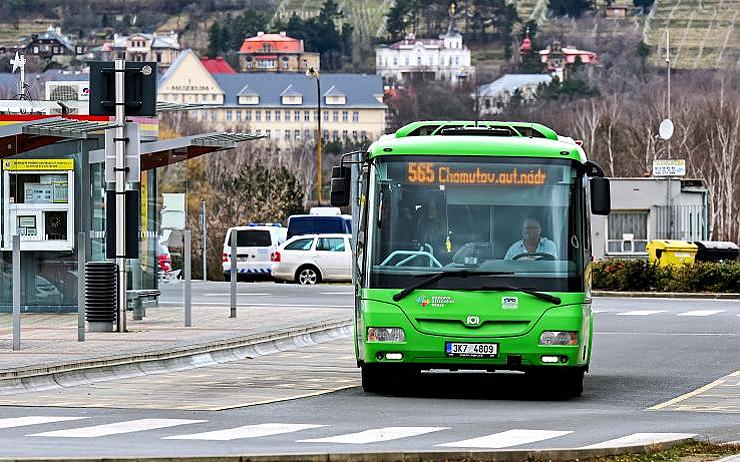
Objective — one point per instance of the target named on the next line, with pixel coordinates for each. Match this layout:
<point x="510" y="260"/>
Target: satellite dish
<point x="666" y="129"/>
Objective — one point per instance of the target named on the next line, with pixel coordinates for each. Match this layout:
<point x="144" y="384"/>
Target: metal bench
<point x="140" y="299"/>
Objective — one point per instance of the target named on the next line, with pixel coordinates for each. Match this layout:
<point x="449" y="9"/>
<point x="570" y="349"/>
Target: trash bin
<point x="100" y="296"/>
<point x="717" y="251"/>
<point x="671" y="252"/>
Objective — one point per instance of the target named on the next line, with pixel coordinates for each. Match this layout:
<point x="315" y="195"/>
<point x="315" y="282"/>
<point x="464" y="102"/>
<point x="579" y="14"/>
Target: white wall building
<point x="445" y="58"/>
<point x="494" y="96"/>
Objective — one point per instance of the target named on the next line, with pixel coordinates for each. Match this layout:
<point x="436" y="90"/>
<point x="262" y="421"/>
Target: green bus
<point x="472" y="251"/>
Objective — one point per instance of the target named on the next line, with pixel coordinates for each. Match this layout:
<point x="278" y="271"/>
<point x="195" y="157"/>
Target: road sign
<point x="669" y="167"/>
<point x="140" y="88"/>
<point x="666" y="129"/>
<point x="133" y="144"/>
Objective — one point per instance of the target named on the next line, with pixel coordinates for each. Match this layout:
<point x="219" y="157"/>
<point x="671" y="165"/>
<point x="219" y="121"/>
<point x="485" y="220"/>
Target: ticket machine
<point x="38" y="204"/>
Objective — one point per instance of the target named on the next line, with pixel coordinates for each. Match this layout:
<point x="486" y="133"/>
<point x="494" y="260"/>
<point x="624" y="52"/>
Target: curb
<point x="72" y="373"/>
<point x="424" y="456"/>
<point x="697" y="295"/>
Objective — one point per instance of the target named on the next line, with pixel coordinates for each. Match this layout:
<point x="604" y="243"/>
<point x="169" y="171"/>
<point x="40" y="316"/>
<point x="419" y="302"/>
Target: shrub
<point x="642" y="276"/>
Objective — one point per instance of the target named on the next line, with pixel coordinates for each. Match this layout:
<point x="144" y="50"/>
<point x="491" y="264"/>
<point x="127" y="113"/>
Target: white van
<point x="254" y="244"/>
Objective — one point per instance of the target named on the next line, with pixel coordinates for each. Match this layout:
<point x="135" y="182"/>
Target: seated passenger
<point x="531" y="242"/>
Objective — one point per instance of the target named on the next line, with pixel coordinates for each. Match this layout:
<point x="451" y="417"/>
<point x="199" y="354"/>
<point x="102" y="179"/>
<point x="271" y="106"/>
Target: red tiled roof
<point x="277" y="43"/>
<point x="217" y="65"/>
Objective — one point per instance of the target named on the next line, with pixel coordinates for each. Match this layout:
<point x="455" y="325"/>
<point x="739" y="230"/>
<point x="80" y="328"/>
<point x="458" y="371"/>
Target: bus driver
<point x="531" y="242"/>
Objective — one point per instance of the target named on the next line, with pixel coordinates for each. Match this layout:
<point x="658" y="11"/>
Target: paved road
<point x="647" y="355"/>
<point x="261" y="294"/>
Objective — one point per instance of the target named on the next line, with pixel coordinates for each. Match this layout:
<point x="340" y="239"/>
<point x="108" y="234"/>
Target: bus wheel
<point x="373" y="379"/>
<point x="562" y="383"/>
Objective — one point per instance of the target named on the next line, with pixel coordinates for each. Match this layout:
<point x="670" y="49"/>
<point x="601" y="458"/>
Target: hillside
<point x="704" y="33"/>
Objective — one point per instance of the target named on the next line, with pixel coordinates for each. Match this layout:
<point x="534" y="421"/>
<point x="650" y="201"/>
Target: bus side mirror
<point x="601" y="203"/>
<point x="341" y="178"/>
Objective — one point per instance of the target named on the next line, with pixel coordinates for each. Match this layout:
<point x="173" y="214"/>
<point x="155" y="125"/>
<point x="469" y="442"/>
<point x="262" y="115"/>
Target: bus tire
<point x="562" y="382"/>
<point x="373" y="379"/>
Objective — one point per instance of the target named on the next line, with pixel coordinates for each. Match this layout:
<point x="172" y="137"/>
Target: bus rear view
<point x="473" y="252"/>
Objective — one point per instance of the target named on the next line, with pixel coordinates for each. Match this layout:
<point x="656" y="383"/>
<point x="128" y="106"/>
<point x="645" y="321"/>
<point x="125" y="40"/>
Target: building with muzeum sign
<point x="282" y="106"/>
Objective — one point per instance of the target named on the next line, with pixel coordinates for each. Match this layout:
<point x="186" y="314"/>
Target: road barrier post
<point x="16" y="293"/>
<point x="187" y="292"/>
<point x="233" y="274"/>
<point x="81" y="257"/>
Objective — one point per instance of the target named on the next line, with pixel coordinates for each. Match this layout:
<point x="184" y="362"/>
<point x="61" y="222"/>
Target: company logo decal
<point x="509" y="303"/>
<point x="439" y="301"/>
<point x="472" y="321"/>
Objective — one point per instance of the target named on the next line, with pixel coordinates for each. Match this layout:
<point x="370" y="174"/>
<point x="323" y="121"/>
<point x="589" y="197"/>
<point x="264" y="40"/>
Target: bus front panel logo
<point x="509" y="303"/>
<point x="472" y="321"/>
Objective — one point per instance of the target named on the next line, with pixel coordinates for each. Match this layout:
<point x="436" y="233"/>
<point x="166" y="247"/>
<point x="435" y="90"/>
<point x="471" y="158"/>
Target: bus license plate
<point x="472" y="350"/>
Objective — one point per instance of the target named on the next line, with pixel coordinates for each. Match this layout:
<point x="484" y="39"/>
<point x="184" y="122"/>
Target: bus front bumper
<point x="521" y="352"/>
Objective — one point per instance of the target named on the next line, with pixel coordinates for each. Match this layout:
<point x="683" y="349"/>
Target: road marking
<point x="221" y="294"/>
<point x="638" y="439"/>
<point x="640" y="312"/>
<point x="725" y="397"/>
<point x="129" y="426"/>
<point x="376" y="435"/>
<point x="247" y="431"/>
<point x="506" y="439"/>
<point x="670" y="334"/>
<point x="247" y="305"/>
<point x="701" y="312"/>
<point x="33" y="420"/>
<point x="335" y="293"/>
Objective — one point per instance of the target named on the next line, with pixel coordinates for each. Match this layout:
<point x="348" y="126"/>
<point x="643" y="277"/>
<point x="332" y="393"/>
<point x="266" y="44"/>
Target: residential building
<point x="558" y="59"/>
<point x="52" y="43"/>
<point x="275" y="53"/>
<point x="161" y="48"/>
<point x="445" y="58"/>
<point x="644" y="209"/>
<point x="493" y="97"/>
<point x="282" y="106"/>
<point x="217" y="65"/>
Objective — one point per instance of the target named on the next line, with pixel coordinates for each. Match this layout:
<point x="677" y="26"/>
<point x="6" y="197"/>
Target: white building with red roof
<point x="275" y="53"/>
<point x="445" y="58"/>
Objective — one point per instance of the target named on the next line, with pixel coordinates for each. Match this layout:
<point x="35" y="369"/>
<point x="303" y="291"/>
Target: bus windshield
<point x="520" y="220"/>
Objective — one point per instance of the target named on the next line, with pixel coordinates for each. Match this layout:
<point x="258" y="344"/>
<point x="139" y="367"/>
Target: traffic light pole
<point x="120" y="170"/>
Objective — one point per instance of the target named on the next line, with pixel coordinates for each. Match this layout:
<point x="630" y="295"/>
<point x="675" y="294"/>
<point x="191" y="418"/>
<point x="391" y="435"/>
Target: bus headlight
<point x="559" y="338"/>
<point x="385" y="334"/>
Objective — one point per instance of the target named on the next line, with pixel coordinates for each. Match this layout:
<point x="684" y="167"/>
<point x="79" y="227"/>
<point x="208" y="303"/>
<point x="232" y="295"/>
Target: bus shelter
<point x="52" y="181"/>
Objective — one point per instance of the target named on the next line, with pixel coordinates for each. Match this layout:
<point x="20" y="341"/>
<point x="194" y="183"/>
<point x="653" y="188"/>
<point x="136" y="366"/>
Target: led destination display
<point x="455" y="173"/>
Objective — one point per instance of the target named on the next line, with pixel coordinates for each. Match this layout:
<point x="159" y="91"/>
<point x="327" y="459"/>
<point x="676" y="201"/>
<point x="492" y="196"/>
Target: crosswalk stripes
<point x="637" y="439"/>
<point x="246" y="431"/>
<point x="375" y="435"/>
<point x="500" y="440"/>
<point x="701" y="312"/>
<point x="117" y="428"/>
<point x="640" y="312"/>
<point x="33" y="420"/>
<point x="506" y="439"/>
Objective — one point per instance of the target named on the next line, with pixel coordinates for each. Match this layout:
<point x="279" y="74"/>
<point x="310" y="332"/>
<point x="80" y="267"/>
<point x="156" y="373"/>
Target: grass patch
<point x="695" y="451"/>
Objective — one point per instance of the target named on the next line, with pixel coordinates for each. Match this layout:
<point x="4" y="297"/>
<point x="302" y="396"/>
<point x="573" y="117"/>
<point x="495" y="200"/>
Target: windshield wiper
<point x="541" y="295"/>
<point x="444" y="274"/>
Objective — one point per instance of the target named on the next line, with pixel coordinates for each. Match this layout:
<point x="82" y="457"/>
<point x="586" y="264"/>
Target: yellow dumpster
<point x="671" y="252"/>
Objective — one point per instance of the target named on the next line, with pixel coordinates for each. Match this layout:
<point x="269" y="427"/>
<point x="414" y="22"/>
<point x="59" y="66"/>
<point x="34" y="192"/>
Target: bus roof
<point x="435" y="127"/>
<point x="477" y="145"/>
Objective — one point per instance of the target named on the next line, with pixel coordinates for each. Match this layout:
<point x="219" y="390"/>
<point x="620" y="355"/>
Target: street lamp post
<point x="314" y="73"/>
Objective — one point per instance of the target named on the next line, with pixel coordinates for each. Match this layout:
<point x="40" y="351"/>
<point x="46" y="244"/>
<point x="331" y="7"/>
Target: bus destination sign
<point x="444" y="173"/>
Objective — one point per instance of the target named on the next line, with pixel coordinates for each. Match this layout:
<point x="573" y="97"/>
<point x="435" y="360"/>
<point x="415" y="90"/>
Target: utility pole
<point x="314" y="73"/>
<point x="120" y="171"/>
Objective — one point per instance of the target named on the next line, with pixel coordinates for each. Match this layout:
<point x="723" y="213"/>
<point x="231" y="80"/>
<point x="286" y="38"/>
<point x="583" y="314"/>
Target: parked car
<point x="254" y="245"/>
<point x="319" y="224"/>
<point x="310" y="259"/>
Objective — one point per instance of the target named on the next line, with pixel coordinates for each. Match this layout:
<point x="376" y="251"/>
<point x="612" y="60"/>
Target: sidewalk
<point x="50" y="340"/>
